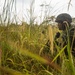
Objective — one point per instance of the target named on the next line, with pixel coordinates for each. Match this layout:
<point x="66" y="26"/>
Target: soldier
<point x="68" y="32"/>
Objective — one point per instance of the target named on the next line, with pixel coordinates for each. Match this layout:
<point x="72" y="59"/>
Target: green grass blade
<point x="9" y="71"/>
<point x="59" y="53"/>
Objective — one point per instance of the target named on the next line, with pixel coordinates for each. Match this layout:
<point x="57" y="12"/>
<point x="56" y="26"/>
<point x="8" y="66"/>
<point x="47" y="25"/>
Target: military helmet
<point x="64" y="17"/>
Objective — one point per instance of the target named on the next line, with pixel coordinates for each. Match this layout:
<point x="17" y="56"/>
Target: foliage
<point x="20" y="51"/>
<point x="21" y="46"/>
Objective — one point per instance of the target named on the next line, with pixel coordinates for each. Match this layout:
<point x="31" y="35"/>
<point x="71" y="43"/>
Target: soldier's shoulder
<point x="72" y="28"/>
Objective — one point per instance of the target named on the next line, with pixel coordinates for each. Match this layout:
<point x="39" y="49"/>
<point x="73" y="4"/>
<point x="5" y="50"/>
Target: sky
<point x="54" y="8"/>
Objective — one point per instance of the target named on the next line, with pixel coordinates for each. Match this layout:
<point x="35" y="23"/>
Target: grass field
<point x="21" y="47"/>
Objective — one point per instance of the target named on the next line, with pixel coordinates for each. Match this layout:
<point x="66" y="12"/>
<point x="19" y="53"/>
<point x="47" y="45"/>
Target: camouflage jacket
<point x="61" y="39"/>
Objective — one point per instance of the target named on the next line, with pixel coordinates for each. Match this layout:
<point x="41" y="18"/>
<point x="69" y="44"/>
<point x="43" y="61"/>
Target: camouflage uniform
<point x="68" y="31"/>
<point x="61" y="39"/>
<point x="68" y="36"/>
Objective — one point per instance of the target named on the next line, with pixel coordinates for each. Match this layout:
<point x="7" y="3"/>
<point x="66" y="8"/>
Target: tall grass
<point x="21" y="52"/>
<point x="20" y="46"/>
<point x="71" y="63"/>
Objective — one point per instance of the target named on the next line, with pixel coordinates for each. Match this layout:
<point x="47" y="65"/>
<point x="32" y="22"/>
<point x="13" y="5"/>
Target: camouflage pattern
<point x="61" y="39"/>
